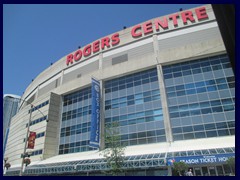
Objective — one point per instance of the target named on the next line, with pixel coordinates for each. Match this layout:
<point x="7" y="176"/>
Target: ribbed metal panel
<point x="89" y="68"/>
<point x="140" y="51"/>
<point x="119" y="59"/>
<point x="190" y="38"/>
<point x="132" y="54"/>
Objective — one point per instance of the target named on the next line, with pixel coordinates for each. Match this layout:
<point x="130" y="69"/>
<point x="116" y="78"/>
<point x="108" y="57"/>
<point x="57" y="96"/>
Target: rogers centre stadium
<point x="169" y="84"/>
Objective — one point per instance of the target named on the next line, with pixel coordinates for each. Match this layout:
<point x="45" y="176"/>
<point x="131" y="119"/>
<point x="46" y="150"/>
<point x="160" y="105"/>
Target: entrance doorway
<point x="211" y="170"/>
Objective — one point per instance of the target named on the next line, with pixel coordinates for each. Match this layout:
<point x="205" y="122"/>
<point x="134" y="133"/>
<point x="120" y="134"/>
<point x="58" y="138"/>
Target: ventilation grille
<point x="119" y="59"/>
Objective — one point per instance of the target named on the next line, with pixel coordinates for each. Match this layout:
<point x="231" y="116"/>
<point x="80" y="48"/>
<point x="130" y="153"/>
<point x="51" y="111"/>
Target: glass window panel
<point x="211" y="133"/>
<point x="231" y="124"/>
<point x="190" y="86"/>
<point x="198" y="128"/>
<point x="177" y="130"/>
<point x="217" y="109"/>
<point x="177" y="137"/>
<point x="188" y="136"/>
<point x="181" y="93"/>
<point x="186" y="73"/>
<point x="184" y="113"/>
<point x="206" y="111"/>
<point x="169" y="89"/>
<point x="223" y="132"/>
<point x="187" y="129"/>
<point x="209" y="126"/>
<point x="196" y="71"/>
<point x="200" y="135"/>
<point x="228" y="108"/>
<point x="221" y="125"/>
<point x="191" y="91"/>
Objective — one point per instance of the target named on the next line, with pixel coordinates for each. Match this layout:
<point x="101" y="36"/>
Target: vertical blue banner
<point x="95" y="118"/>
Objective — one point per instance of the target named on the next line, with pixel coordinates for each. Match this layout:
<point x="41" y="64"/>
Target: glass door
<point x="220" y="170"/>
<point x="197" y="171"/>
<point x="212" y="171"/>
<point x="205" y="171"/>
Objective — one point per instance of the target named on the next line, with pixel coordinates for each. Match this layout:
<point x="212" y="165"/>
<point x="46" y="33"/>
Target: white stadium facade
<point x="169" y="84"/>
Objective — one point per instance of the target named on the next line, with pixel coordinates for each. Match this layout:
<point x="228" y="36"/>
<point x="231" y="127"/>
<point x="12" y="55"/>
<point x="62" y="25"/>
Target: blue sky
<point x="34" y="36"/>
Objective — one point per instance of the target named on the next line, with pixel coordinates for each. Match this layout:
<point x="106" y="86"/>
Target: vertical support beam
<point x="166" y="118"/>
<point x="102" y="109"/>
<point x="61" y="81"/>
<point x="102" y="119"/>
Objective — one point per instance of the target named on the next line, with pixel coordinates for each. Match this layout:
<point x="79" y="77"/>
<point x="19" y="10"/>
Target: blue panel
<point x="95" y="118"/>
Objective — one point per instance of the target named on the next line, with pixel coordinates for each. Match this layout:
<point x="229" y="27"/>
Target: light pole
<point x="26" y="140"/>
<point x="6" y="165"/>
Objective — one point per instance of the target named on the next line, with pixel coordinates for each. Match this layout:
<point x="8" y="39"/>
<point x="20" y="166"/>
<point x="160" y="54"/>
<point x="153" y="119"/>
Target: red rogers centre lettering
<point x="137" y="31"/>
<point x="93" y="48"/>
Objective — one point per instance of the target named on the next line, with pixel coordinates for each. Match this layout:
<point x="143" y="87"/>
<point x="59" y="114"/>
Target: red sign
<point x="138" y="30"/>
<point x="31" y="140"/>
<point x="93" y="48"/>
<point x="185" y="16"/>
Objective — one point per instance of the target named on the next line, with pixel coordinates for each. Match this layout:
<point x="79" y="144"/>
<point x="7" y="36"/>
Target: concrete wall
<point x="53" y="126"/>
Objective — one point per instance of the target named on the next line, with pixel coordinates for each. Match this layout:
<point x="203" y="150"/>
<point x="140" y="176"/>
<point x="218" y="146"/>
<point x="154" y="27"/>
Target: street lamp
<point x="26" y="140"/>
<point x="27" y="154"/>
<point x="6" y="165"/>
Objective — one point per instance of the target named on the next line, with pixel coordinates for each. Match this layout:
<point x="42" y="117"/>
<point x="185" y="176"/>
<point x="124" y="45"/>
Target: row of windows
<point x="131" y="84"/>
<point x="79" y="146"/>
<point x="197" y="71"/>
<point x="212" y="82"/>
<point x="200" y="63"/>
<point x="80" y="112"/>
<point x="204" y="104"/>
<point x="206" y="134"/>
<point x="76" y="149"/>
<point x="75" y="127"/>
<point x="137" y="118"/>
<point x="37" y="121"/>
<point x="133" y="116"/>
<point x="139" y="135"/>
<point x="39" y="106"/>
<point x="216" y="109"/>
<point x="204" y="127"/>
<point x="201" y="90"/>
<point x="131" y="78"/>
<point x="139" y="98"/>
<point x="40" y="135"/>
<point x="82" y="93"/>
<point x="77" y="131"/>
<point x="74" y="144"/>
<point x="148" y="140"/>
<point x="78" y="99"/>
<point x="35" y="153"/>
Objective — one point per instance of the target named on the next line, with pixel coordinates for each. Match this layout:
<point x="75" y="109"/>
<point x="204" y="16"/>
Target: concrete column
<point x="100" y="60"/>
<point x="166" y="118"/>
<point x="102" y="115"/>
<point x="102" y="105"/>
<point x="61" y="81"/>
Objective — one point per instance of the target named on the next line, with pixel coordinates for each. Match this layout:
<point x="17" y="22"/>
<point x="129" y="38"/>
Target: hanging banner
<point x="95" y="118"/>
<point x="31" y="140"/>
